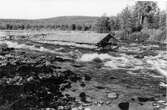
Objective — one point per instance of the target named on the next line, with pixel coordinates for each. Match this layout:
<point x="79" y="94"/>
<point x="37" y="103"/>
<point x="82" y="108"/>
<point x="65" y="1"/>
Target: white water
<point x="24" y="46"/>
<point x="90" y="57"/>
<point x="158" y="63"/>
<point x="111" y="61"/>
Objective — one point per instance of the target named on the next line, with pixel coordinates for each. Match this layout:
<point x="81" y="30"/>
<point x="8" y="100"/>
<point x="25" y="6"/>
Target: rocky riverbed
<point x="40" y="76"/>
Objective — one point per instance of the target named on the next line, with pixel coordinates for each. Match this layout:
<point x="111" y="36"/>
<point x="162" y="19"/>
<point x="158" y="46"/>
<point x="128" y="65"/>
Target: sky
<point x="34" y="9"/>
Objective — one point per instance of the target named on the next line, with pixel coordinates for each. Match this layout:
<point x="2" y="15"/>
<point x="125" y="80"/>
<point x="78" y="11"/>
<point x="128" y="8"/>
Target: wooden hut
<point x="89" y="38"/>
<point x="108" y="42"/>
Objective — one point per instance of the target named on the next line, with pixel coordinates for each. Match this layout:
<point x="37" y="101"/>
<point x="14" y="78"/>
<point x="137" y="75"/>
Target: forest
<point x="141" y="22"/>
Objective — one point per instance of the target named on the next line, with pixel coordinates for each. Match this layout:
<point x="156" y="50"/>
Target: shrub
<point x="138" y="37"/>
<point x="121" y="35"/>
<point x="157" y="35"/>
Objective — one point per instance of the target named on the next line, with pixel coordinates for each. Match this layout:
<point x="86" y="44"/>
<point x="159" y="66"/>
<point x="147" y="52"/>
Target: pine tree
<point x="102" y="25"/>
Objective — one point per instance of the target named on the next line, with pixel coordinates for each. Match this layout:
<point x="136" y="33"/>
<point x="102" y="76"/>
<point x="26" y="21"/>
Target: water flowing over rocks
<point x="40" y="76"/>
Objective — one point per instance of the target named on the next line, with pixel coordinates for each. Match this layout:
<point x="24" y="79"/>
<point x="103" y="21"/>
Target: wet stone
<point x="124" y="106"/>
<point x="87" y="77"/>
<point x="87" y="108"/>
<point x="82" y="96"/>
<point x="145" y="99"/>
<point x="74" y="108"/>
<point x="100" y="87"/>
<point x="49" y="109"/>
<point x="89" y="99"/>
<point x="82" y="84"/>
<point x="112" y="95"/>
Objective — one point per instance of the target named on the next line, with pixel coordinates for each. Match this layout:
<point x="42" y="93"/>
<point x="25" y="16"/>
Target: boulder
<point x="112" y="95"/>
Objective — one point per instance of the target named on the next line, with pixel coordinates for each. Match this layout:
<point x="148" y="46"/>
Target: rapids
<point x="121" y="61"/>
<point x="11" y="44"/>
<point x="158" y="63"/>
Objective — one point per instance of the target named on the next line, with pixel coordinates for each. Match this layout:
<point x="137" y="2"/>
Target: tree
<point x="102" y="25"/>
<point x="162" y="20"/>
<point x="73" y="27"/>
<point x="126" y="22"/>
<point x="145" y="23"/>
<point x="78" y="27"/>
<point x="145" y="9"/>
<point x="114" y="23"/>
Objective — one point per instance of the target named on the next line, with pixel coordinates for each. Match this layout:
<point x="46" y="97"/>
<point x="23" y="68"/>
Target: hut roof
<point x="76" y="37"/>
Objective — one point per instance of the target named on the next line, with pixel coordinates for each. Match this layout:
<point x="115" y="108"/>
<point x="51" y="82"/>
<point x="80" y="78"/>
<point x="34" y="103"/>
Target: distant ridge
<point x="55" y="20"/>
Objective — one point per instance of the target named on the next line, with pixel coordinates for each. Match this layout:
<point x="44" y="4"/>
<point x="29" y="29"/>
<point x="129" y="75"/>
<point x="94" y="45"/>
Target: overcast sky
<point x="33" y="9"/>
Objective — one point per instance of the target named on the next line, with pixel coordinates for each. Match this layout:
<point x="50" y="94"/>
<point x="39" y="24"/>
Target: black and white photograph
<point x="83" y="55"/>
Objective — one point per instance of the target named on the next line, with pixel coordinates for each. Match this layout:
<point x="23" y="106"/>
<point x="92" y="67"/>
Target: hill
<point x="54" y="21"/>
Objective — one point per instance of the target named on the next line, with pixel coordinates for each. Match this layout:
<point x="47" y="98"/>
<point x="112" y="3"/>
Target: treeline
<point x="140" y="22"/>
<point x="145" y="14"/>
<point x="73" y="27"/>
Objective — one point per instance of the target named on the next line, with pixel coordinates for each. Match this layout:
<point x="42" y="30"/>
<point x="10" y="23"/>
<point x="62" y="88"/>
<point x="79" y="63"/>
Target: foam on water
<point x="112" y="61"/>
<point x="124" y="62"/>
<point x="24" y="46"/>
<point x="91" y="56"/>
<point x="158" y="63"/>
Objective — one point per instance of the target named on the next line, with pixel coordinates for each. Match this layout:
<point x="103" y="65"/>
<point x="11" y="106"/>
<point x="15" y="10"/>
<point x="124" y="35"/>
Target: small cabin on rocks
<point x="108" y="42"/>
<point x="101" y="40"/>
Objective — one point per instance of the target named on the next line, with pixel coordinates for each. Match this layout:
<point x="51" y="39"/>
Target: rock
<point x="74" y="108"/>
<point x="87" y="108"/>
<point x="112" y="95"/>
<point x="82" y="84"/>
<point x="50" y="109"/>
<point x="164" y="108"/>
<point x="89" y="99"/>
<point x="60" y="108"/>
<point x="86" y="104"/>
<point x="30" y="78"/>
<point x="100" y="87"/>
<point x="97" y="60"/>
<point x="140" y="56"/>
<point x="165" y="104"/>
<point x="100" y="103"/>
<point x="161" y="101"/>
<point x="80" y="108"/>
<point x="162" y="84"/>
<point x="82" y="96"/>
<point x="87" y="77"/>
<point x="107" y="102"/>
<point x="145" y="99"/>
<point x="124" y="106"/>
